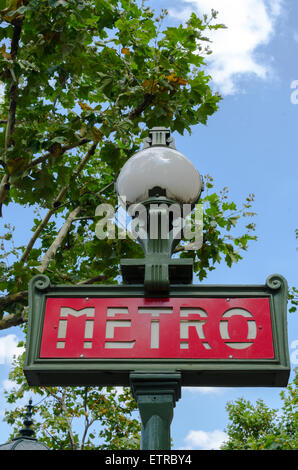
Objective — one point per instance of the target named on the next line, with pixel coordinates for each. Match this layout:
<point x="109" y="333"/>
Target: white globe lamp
<point x="159" y="170"/>
<point x="157" y="179"/>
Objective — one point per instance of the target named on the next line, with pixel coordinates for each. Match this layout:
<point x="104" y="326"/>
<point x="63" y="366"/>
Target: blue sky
<point x="250" y="146"/>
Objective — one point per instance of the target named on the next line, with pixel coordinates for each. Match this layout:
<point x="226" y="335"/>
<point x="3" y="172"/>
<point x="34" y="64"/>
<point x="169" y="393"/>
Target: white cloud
<point x="8" y="385"/>
<point x="8" y="348"/>
<point x="204" y="440"/>
<point x="206" y="390"/>
<point x="250" y="24"/>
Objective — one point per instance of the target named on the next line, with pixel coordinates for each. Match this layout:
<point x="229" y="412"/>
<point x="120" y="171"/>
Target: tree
<point x="78" y="100"/>
<point x="83" y="81"/>
<point x="75" y="418"/>
<point x="261" y="428"/>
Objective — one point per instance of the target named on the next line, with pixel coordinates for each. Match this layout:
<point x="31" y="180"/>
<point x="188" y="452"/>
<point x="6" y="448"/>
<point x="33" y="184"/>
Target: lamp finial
<point x="159" y="137"/>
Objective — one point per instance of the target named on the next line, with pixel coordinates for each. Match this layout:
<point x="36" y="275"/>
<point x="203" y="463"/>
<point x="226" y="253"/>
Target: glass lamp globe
<point x="159" y="164"/>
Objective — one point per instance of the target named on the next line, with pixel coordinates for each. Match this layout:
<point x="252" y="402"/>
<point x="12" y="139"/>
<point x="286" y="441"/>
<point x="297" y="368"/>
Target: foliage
<point x="261" y="428"/>
<point x="83" y="82"/>
<point x="293" y="297"/>
<point x="75" y="418"/>
<point x="220" y="219"/>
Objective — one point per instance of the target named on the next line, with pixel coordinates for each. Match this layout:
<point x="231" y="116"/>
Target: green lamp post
<point x="157" y="331"/>
<point x="158" y="183"/>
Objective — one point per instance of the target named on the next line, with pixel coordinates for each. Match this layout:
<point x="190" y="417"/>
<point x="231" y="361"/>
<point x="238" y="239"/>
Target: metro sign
<point x="128" y="328"/>
<point x="213" y="335"/>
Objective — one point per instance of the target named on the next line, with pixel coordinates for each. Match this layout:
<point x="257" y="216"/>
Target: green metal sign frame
<point x="199" y="372"/>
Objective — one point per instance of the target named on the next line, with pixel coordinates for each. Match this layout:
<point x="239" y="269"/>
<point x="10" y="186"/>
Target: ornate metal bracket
<point x="157" y="270"/>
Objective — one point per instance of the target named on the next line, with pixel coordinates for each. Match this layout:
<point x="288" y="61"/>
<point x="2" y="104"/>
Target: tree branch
<point x="58" y="200"/>
<point x="148" y="99"/>
<point x="64" y="149"/>
<point x="11" y="320"/>
<point x="4" y="188"/>
<point x="61" y="400"/>
<point x="11" y="298"/>
<point x="100" y="278"/>
<point x="36" y="235"/>
<point x="15" y="319"/>
<point x="4" y="185"/>
<point x="57" y="242"/>
<point x="14" y="87"/>
<point x="87" y="422"/>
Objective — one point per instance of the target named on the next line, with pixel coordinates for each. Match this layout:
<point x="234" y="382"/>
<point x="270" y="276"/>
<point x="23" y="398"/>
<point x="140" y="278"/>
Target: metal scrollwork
<point x="41" y="282"/>
<point x="274" y="281"/>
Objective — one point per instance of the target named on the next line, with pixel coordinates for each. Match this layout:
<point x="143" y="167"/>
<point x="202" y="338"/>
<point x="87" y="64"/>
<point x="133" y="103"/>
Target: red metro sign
<point x="211" y="335"/>
<point x="157" y="328"/>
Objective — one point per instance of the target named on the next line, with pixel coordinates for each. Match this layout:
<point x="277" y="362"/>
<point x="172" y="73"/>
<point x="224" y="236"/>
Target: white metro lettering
<point x="62" y="329"/>
<point x="251" y="328"/>
<point x="196" y="323"/>
<point x="112" y="324"/>
<point x="155" y="312"/>
<point x="147" y="326"/>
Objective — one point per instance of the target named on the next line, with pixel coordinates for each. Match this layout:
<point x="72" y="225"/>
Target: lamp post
<point x="158" y="183"/>
<point x="161" y="331"/>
